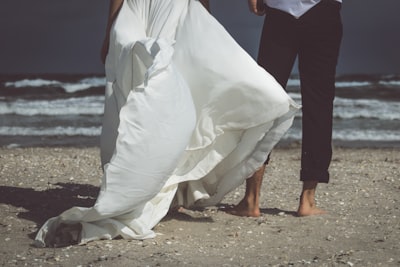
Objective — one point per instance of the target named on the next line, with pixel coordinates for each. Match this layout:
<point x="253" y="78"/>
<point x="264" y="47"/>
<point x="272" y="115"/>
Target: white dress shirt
<point x="294" y="7"/>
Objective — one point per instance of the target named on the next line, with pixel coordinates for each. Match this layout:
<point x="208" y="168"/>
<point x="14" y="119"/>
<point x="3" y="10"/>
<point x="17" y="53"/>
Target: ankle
<point x="308" y="205"/>
<point x="250" y="202"/>
<point x="307" y="199"/>
<point x="310" y="185"/>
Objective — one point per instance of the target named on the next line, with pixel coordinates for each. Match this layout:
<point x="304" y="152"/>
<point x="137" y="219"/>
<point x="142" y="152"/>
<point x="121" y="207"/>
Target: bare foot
<point x="249" y="206"/>
<point x="244" y="209"/>
<point x="307" y="206"/>
<point x="308" y="210"/>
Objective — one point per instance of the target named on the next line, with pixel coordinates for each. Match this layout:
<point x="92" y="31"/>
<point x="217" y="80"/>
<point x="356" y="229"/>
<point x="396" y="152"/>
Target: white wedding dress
<point x="189" y="115"/>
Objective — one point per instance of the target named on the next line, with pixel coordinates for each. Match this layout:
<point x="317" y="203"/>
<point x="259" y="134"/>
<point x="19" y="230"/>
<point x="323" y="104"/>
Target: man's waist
<point x="297" y="8"/>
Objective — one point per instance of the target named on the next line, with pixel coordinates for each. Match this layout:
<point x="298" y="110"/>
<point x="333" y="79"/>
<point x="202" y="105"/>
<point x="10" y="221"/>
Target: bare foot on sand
<point x="249" y="206"/>
<point x="244" y="209"/>
<point x="307" y="206"/>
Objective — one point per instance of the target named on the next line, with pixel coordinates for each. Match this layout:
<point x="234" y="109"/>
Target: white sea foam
<point x="84" y="84"/>
<point x="339" y="84"/>
<point x="90" y="105"/>
<point x="358" y="119"/>
<point x="366" y="135"/>
<point x="390" y="83"/>
<point x="31" y="83"/>
<point x="352" y="135"/>
<point x="366" y="108"/>
<point x="352" y="84"/>
<point x="293" y="82"/>
<point x="295" y="96"/>
<point x="53" y="131"/>
<point x="346" y="108"/>
<point x="81" y="85"/>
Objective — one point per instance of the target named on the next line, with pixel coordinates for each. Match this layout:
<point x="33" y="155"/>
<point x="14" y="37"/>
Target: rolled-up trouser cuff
<point x="313" y="175"/>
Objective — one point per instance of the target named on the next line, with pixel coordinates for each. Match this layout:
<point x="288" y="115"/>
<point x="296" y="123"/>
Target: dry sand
<point x="361" y="229"/>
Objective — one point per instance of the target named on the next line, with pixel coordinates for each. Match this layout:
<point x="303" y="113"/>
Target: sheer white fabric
<point x="188" y="117"/>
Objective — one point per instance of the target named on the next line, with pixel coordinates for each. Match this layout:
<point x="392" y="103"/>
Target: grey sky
<point x="64" y="36"/>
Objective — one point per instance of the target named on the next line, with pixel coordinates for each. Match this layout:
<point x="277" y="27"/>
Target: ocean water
<point x="66" y="110"/>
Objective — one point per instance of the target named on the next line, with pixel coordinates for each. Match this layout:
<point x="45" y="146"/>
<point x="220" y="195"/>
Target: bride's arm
<point x="257" y="7"/>
<point x="206" y="4"/>
<point x="115" y="6"/>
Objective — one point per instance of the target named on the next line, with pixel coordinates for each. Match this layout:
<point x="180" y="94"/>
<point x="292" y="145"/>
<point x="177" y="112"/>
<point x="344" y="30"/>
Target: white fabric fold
<point x="189" y="115"/>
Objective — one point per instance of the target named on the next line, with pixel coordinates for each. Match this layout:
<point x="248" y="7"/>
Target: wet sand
<point x="362" y="227"/>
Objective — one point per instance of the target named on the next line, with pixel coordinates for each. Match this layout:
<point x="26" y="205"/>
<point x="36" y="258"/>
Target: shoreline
<point x="94" y="141"/>
<point x="361" y="229"/>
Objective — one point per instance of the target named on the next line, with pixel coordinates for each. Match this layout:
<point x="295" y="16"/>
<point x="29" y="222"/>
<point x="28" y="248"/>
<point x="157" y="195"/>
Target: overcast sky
<point x="64" y="36"/>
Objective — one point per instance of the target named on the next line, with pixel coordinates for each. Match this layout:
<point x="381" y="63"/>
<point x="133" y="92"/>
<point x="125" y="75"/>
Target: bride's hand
<point x="104" y="49"/>
<point x="257" y="7"/>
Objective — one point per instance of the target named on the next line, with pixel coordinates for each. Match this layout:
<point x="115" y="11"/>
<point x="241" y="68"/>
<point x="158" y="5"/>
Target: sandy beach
<point x="362" y="227"/>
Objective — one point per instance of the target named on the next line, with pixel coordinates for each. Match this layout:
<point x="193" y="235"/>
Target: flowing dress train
<point x="189" y="115"/>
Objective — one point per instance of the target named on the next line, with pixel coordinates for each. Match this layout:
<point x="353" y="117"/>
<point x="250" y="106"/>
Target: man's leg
<point x="307" y="204"/>
<point x="250" y="204"/>
<point x="277" y="55"/>
<point x="318" y="55"/>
